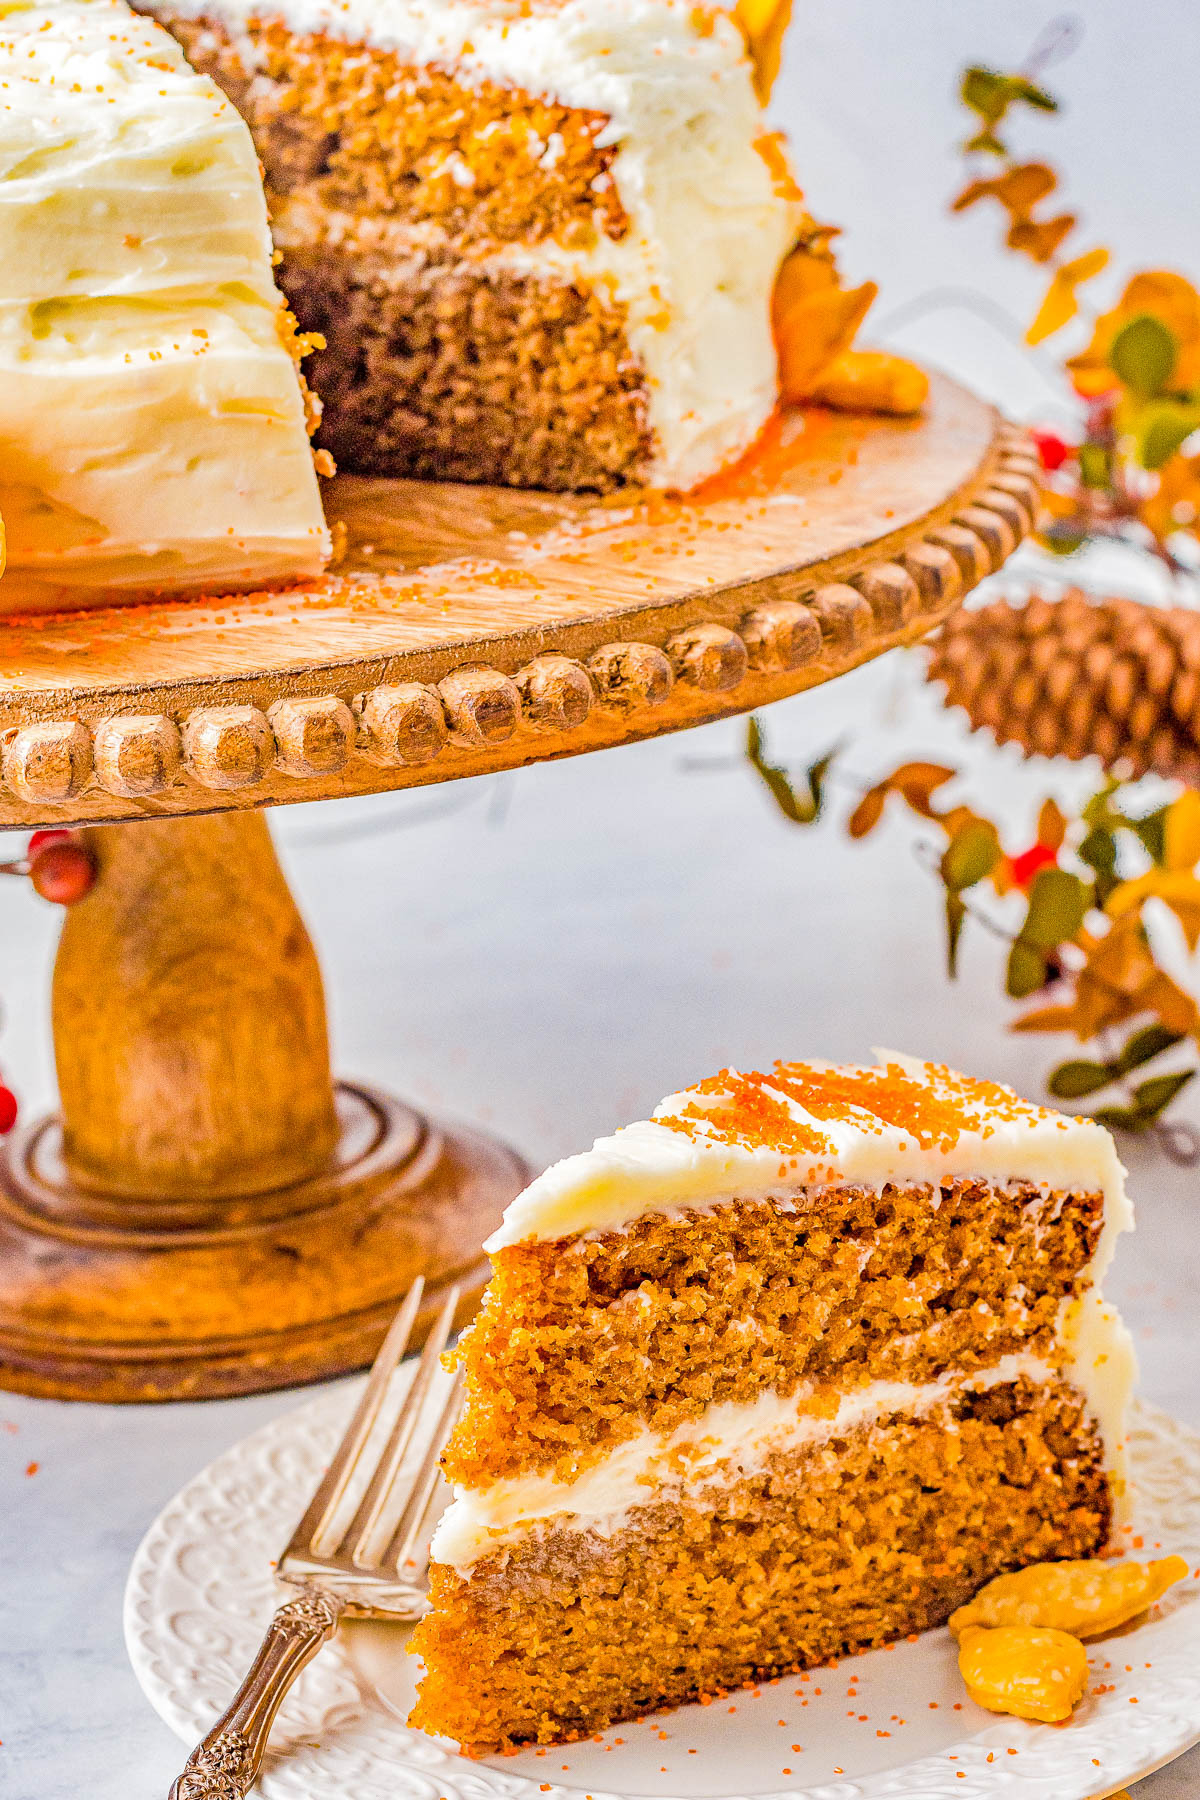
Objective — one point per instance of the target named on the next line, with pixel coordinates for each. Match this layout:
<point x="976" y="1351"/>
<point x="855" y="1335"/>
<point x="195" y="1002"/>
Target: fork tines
<point x="389" y="1520"/>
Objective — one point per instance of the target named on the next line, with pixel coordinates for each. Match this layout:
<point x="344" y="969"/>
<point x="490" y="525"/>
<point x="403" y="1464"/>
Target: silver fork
<point x="375" y="1566"/>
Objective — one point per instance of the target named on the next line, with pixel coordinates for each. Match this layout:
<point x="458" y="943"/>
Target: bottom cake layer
<point x="830" y="1550"/>
<point x="459" y="371"/>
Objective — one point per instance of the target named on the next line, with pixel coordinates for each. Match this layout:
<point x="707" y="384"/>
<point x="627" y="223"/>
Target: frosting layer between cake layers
<point x="152" y="422"/>
<point x="738" y="1138"/>
<point x="709" y="218"/>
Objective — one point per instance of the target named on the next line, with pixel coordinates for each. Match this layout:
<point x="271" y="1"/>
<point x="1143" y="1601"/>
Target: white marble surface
<point x="548" y="953"/>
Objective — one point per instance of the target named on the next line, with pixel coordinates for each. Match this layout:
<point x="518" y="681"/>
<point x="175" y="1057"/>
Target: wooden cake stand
<point x="212" y="1214"/>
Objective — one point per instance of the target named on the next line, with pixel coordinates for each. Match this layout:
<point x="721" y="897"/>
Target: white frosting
<point x="152" y="428"/>
<point x="650" y="1167"/>
<point x="708" y="231"/>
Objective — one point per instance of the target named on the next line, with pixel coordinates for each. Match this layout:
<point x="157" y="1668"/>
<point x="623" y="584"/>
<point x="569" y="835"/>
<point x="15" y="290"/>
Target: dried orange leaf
<point x="918" y="781"/>
<point x="872" y="381"/>
<point x="815" y="320"/>
<point x="764" y="25"/>
<point x="1052" y="1018"/>
<point x="1022" y="1670"/>
<point x="868" y="812"/>
<point x="1175" y="505"/>
<point x="1177" y="888"/>
<point x="1051" y="825"/>
<point x="915" y="782"/>
<point x="1086" y="1598"/>
<point x="1170" y="1004"/>
<point x="1061" y="302"/>
<point x="1181" y="832"/>
<point x="1040" y="238"/>
<point x="1018" y="190"/>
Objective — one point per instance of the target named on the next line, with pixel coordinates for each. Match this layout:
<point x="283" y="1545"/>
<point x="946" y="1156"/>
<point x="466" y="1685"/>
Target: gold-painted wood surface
<point x="472" y="629"/>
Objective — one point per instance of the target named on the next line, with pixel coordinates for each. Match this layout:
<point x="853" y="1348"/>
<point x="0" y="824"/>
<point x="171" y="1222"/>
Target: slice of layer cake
<point x="540" y="237"/>
<point x="153" y="432"/>
<point x="790" y="1370"/>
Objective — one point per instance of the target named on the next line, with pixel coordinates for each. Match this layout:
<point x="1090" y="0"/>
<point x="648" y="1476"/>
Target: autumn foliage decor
<point x="1098" y="903"/>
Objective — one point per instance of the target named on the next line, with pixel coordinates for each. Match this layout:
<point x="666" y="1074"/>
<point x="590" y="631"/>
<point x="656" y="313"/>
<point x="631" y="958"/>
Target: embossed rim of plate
<point x="337" y="1740"/>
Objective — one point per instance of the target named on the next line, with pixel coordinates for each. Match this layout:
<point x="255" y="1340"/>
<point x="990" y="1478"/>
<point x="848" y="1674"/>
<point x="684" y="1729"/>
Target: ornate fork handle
<point x="225" y="1764"/>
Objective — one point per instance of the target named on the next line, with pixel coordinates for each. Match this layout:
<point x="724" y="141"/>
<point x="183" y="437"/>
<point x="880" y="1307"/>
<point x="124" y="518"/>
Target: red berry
<point x="1024" y="867"/>
<point x="63" y="873"/>
<point x="1052" y="449"/>
<point x="8" y="1110"/>
<point x="40" y="839"/>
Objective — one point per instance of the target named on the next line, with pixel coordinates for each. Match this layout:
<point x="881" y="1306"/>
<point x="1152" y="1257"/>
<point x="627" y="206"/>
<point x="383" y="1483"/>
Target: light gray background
<point x="549" y="952"/>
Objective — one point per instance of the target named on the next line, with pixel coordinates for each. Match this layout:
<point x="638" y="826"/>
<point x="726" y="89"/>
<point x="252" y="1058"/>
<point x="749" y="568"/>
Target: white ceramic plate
<point x="891" y="1725"/>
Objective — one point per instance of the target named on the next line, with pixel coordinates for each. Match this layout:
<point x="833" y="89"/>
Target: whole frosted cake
<point x="540" y="237"/>
<point x="788" y="1370"/>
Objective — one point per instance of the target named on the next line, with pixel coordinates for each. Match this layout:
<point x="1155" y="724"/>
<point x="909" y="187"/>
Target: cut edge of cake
<point x="575" y="209"/>
<point x="680" y="1385"/>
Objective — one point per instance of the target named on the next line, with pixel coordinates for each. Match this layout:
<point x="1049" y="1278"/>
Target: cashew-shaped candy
<point x="1022" y="1670"/>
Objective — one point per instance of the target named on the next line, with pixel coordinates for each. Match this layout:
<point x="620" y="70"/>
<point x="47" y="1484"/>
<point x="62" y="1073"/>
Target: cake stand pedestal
<point x="211" y="1214"/>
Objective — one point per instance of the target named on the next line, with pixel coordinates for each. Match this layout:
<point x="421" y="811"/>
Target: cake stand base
<point x="212" y="1215"/>
<point x="102" y="1299"/>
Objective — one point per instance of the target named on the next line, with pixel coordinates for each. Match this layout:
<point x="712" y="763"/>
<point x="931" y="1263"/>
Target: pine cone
<point x="1080" y="677"/>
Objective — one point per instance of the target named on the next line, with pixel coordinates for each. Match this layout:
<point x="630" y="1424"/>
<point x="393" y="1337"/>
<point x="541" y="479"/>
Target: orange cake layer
<point x="355" y="127"/>
<point x="402" y="381"/>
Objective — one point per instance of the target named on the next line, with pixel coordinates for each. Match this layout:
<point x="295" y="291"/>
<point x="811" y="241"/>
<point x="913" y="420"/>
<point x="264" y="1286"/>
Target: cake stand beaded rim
<point x="373" y="1754"/>
<point x="156" y="738"/>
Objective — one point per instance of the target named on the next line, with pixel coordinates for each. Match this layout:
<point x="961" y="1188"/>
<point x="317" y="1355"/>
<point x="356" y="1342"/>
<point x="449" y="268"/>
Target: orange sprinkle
<point x="935" y="1115"/>
<point x="32" y="1468"/>
<point x="748" y="1118"/>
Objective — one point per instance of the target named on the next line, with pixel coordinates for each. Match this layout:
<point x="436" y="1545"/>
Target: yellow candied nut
<point x="1022" y="1670"/>
<point x="1086" y="1598"/>
<point x="873" y="381"/>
